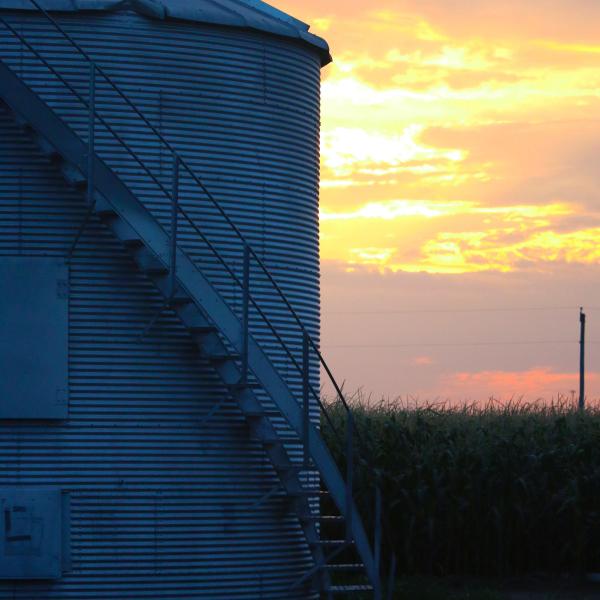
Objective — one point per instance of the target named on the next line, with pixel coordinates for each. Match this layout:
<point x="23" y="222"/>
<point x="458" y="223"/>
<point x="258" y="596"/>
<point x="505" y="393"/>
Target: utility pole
<point x="582" y="361"/>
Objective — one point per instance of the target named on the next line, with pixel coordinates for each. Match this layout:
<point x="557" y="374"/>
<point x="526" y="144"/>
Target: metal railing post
<point x="173" y="240"/>
<point x="91" y="134"/>
<point x="305" y="398"/>
<point x="349" y="476"/>
<point x="178" y="164"/>
<point x="245" y="312"/>
<point x="91" y="149"/>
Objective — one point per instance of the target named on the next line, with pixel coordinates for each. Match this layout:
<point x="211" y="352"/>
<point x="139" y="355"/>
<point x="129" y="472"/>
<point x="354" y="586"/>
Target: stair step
<point x="251" y="407"/>
<point x="45" y="147"/>
<point x="266" y="436"/>
<point x="290" y="467"/>
<point x="202" y="329"/>
<point x="149" y="263"/>
<point x="293" y="469"/>
<point x="257" y="413"/>
<point x="243" y="386"/>
<point x="153" y="267"/>
<point x="133" y="243"/>
<point x="155" y="270"/>
<point x="345" y="567"/>
<point x="122" y="230"/>
<point x="73" y="175"/>
<point x="146" y="260"/>
<point x="221" y="358"/>
<point x="323" y="518"/>
<point x="269" y="442"/>
<point x="330" y="543"/>
<point x="311" y="492"/>
<point x="192" y="317"/>
<point x="21" y="122"/>
<point x="105" y="211"/>
<point x="181" y="298"/>
<point x="349" y="589"/>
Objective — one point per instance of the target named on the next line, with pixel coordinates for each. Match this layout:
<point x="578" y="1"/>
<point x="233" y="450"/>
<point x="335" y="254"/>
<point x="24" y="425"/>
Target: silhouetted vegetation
<point x="494" y="492"/>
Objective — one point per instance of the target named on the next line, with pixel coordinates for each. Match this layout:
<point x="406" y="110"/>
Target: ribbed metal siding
<point x="160" y="501"/>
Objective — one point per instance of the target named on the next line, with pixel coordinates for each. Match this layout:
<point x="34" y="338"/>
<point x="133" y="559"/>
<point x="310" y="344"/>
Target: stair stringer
<point x="42" y="119"/>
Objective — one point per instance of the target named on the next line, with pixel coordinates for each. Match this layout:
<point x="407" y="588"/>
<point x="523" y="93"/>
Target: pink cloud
<point x="422" y="361"/>
<point x="535" y="383"/>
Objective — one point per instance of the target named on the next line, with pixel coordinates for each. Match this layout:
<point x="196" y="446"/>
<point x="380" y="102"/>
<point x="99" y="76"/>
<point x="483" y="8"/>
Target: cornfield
<point x="493" y="491"/>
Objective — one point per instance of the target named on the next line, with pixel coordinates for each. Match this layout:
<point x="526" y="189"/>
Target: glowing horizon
<point x="459" y="138"/>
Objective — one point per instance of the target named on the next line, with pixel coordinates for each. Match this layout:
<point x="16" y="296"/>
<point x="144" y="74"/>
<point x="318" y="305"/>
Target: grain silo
<point x="160" y="296"/>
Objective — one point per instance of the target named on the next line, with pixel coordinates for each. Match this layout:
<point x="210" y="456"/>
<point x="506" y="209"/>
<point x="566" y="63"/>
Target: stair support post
<point x="91" y="134"/>
<point x="173" y="236"/>
<point x="306" y="398"/>
<point x="91" y="149"/>
<point x="245" y="312"/>
<point x="172" y="249"/>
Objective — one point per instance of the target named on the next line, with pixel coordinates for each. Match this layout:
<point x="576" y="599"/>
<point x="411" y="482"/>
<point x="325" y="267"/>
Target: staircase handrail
<point x="183" y="163"/>
<point x="254" y="255"/>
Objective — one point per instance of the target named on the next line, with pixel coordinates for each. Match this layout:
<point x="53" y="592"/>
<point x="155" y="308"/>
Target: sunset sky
<point x="460" y="212"/>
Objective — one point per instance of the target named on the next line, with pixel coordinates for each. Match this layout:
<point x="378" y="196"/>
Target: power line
<point x="450" y="344"/>
<point x="456" y="310"/>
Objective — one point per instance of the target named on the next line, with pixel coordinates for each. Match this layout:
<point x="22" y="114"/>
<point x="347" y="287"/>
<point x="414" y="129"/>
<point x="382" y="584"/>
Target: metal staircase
<point x="222" y="337"/>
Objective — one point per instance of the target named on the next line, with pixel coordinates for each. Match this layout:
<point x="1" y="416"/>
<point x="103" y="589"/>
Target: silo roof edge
<point x="249" y="14"/>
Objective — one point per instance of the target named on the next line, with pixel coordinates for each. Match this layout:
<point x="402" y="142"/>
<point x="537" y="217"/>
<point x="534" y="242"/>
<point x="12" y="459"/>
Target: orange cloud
<point x="423" y="361"/>
<point x="416" y="107"/>
<point x="536" y="383"/>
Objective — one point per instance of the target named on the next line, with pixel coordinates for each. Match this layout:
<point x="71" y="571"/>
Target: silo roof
<point x="248" y="14"/>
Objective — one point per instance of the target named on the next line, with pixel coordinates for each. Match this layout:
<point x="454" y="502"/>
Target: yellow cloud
<point x="406" y="77"/>
<point x="405" y="23"/>
<point x="345" y="148"/>
<point x="484" y="251"/>
<point x="321" y="24"/>
<point x="577" y="48"/>
<point x="371" y="256"/>
<point x="505" y="238"/>
<point x="394" y="209"/>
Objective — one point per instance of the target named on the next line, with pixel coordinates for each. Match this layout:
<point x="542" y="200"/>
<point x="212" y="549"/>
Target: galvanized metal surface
<point x="34" y="341"/>
<point x="160" y="498"/>
<point x="31" y="531"/>
<point x="211" y="321"/>
<point x="245" y="14"/>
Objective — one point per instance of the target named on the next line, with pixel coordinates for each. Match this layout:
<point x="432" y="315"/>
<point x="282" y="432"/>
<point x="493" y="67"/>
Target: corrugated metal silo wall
<point x="160" y="498"/>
